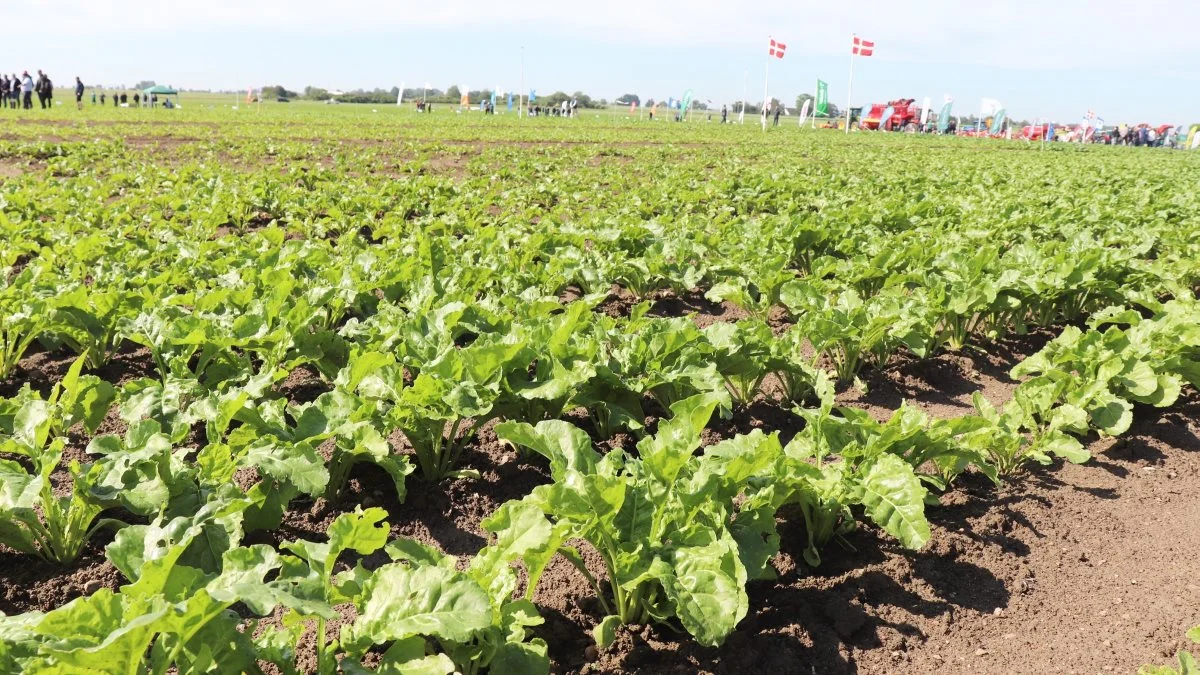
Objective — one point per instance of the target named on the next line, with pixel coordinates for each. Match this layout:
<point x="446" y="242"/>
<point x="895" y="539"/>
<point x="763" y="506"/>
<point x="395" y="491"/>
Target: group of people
<point x="565" y="109"/>
<point x="18" y="91"/>
<point x="1146" y="136"/>
<point x="139" y="101"/>
<point x="769" y="110"/>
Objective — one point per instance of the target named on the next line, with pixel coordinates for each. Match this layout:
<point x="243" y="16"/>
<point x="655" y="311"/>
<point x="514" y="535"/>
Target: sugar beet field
<point x="312" y="390"/>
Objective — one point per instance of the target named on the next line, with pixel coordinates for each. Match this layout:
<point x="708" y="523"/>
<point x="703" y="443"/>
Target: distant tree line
<point x="449" y="95"/>
<point x="452" y="95"/>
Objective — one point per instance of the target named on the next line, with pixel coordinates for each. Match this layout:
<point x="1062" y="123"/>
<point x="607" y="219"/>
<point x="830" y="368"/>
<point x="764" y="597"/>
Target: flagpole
<point x="814" y="110"/>
<point x="766" y="80"/>
<point x="745" y="79"/>
<point x="850" y="88"/>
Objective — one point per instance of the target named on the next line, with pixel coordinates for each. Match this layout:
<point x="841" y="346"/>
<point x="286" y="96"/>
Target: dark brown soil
<point x="11" y="169"/>
<point x="619" y="303"/>
<point x="665" y="303"/>
<point x="943" y="385"/>
<point x="765" y="414"/>
<point x="703" y="311"/>
<point x="302" y="385"/>
<point x="27" y="584"/>
<point x="40" y="369"/>
<point x="131" y="362"/>
<point x="446" y="515"/>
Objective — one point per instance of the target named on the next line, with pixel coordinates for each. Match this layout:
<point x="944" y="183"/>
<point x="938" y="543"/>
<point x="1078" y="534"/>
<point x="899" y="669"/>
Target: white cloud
<point x="1020" y="33"/>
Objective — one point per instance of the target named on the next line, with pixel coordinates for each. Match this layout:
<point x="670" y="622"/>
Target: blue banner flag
<point x="885" y="119"/>
<point x="510" y="100"/>
<point x="944" y="118"/>
<point x="533" y="95"/>
<point x="998" y="123"/>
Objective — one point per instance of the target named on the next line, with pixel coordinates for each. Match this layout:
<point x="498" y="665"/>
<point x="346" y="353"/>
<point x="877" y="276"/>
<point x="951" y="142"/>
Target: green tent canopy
<point x="160" y="90"/>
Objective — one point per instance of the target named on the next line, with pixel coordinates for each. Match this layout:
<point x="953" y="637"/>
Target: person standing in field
<point x="724" y="114"/>
<point x="79" y="94"/>
<point x="40" y="89"/>
<point x="778" y="109"/>
<point x="27" y="91"/>
<point x="137" y="98"/>
<point x="45" y="90"/>
<point x="4" y="89"/>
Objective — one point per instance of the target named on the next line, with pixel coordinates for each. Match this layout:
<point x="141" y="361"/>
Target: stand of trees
<point x="834" y="111"/>
<point x="277" y="91"/>
<point x="450" y="95"/>
<point x="581" y="98"/>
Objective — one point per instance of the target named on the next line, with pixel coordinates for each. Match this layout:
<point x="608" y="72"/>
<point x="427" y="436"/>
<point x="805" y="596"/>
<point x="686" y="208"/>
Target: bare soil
<point x="11" y="169"/>
<point x="27" y="584"/>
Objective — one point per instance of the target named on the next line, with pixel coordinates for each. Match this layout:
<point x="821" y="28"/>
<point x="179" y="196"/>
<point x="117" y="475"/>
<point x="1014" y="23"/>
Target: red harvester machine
<point x="906" y="115"/>
<point x="1034" y="132"/>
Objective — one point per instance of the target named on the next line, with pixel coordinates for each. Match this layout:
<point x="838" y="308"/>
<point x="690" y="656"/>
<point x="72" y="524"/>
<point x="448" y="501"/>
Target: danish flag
<point x="863" y="47"/>
<point x="776" y="49"/>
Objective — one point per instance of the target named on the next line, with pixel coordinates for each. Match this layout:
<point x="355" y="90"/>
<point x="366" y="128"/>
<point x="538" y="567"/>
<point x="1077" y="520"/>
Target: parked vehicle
<point x="906" y="115"/>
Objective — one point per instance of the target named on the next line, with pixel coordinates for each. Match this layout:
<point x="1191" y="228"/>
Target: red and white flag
<point x="776" y="49"/>
<point x="863" y="47"/>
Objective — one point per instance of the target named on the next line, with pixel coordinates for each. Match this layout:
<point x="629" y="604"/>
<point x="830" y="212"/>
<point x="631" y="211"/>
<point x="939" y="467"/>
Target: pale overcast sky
<point x="1127" y="61"/>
